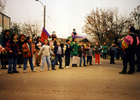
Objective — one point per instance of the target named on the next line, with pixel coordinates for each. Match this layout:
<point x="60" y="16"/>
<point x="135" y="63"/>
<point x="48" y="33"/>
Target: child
<point x="82" y="53"/>
<point x="97" y="53"/>
<point x="20" y="43"/>
<point x="38" y="44"/>
<point x="105" y="48"/>
<point x="58" y="51"/>
<point x="112" y="50"/>
<point x="67" y="53"/>
<point x="53" y="35"/>
<point x="74" y="52"/>
<point x="13" y="51"/>
<point x="28" y="48"/>
<point x="46" y="54"/>
<point x="89" y="54"/>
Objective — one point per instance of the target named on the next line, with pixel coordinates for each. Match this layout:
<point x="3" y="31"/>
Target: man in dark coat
<point x="130" y="51"/>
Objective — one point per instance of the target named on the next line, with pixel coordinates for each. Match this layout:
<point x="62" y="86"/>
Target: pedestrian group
<point x="20" y="50"/>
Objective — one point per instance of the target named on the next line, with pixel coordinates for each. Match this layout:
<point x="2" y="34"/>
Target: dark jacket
<point x="68" y="49"/>
<point x="20" y="43"/>
<point x="82" y="51"/>
<point x="4" y="40"/>
<point x="11" y="45"/>
<point x="56" y="49"/>
<point x="138" y="46"/>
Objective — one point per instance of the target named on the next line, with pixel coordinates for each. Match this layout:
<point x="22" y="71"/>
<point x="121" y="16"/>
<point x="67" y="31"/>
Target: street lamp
<point x="44" y="11"/>
<point x="138" y="8"/>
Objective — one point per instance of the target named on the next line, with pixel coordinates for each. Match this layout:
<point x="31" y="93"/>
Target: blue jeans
<point x="14" y="62"/>
<point x="44" y="59"/>
<point x="59" y="59"/>
<point x="30" y="62"/>
<point x="81" y="60"/>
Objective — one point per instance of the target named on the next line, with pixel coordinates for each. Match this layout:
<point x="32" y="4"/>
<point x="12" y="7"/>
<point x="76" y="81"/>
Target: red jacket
<point x="26" y="50"/>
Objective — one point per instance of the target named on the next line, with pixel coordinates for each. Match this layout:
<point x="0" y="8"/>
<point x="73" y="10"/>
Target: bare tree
<point x="105" y="24"/>
<point x="136" y="17"/>
<point x="30" y="29"/>
<point x="2" y="5"/>
<point x="15" y="28"/>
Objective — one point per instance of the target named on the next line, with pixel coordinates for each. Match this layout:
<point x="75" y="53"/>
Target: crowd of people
<point x="18" y="50"/>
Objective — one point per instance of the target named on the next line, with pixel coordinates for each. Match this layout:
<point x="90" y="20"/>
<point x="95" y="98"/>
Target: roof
<point x="84" y="40"/>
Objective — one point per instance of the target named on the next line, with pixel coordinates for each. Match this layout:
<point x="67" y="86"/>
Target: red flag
<point x="44" y="35"/>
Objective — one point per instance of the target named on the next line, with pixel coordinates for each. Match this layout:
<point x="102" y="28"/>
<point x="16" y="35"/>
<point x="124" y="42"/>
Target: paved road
<point x="97" y="82"/>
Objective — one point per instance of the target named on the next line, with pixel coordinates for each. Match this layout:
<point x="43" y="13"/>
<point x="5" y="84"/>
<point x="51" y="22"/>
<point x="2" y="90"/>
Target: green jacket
<point x="75" y="47"/>
<point x="105" y="48"/>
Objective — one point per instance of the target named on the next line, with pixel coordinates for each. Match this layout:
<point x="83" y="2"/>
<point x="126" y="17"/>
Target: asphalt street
<point x="96" y="82"/>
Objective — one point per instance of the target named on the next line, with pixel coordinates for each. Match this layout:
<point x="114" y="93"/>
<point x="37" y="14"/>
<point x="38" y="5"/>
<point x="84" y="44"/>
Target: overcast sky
<point x="62" y="15"/>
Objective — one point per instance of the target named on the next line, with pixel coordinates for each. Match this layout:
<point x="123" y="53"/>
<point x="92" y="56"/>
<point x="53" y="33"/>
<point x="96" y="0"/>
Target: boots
<point x="73" y="65"/>
<point x="76" y="65"/>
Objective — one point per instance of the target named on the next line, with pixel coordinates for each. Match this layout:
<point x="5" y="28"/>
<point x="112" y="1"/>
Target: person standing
<point x="38" y="44"/>
<point x="1" y="50"/>
<point x="74" y="52"/>
<point x="112" y="50"/>
<point x="46" y="55"/>
<point x="129" y="51"/>
<point x="89" y="54"/>
<point x="67" y="53"/>
<point x="58" y="51"/>
<point x="105" y="49"/>
<point x="13" y="51"/>
<point x="52" y="44"/>
<point x="138" y="51"/>
<point x="4" y="40"/>
<point x="28" y="49"/>
<point x="117" y="52"/>
<point x="82" y="54"/>
<point x="97" y="53"/>
<point x="20" y="43"/>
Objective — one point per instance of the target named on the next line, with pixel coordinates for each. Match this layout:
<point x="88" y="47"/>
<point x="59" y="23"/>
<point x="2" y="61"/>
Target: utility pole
<point x="44" y="15"/>
<point x="44" y="12"/>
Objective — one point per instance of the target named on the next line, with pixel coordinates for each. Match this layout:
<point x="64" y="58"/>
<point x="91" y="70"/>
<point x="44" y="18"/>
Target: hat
<point x="6" y="30"/>
<point x="53" y="32"/>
